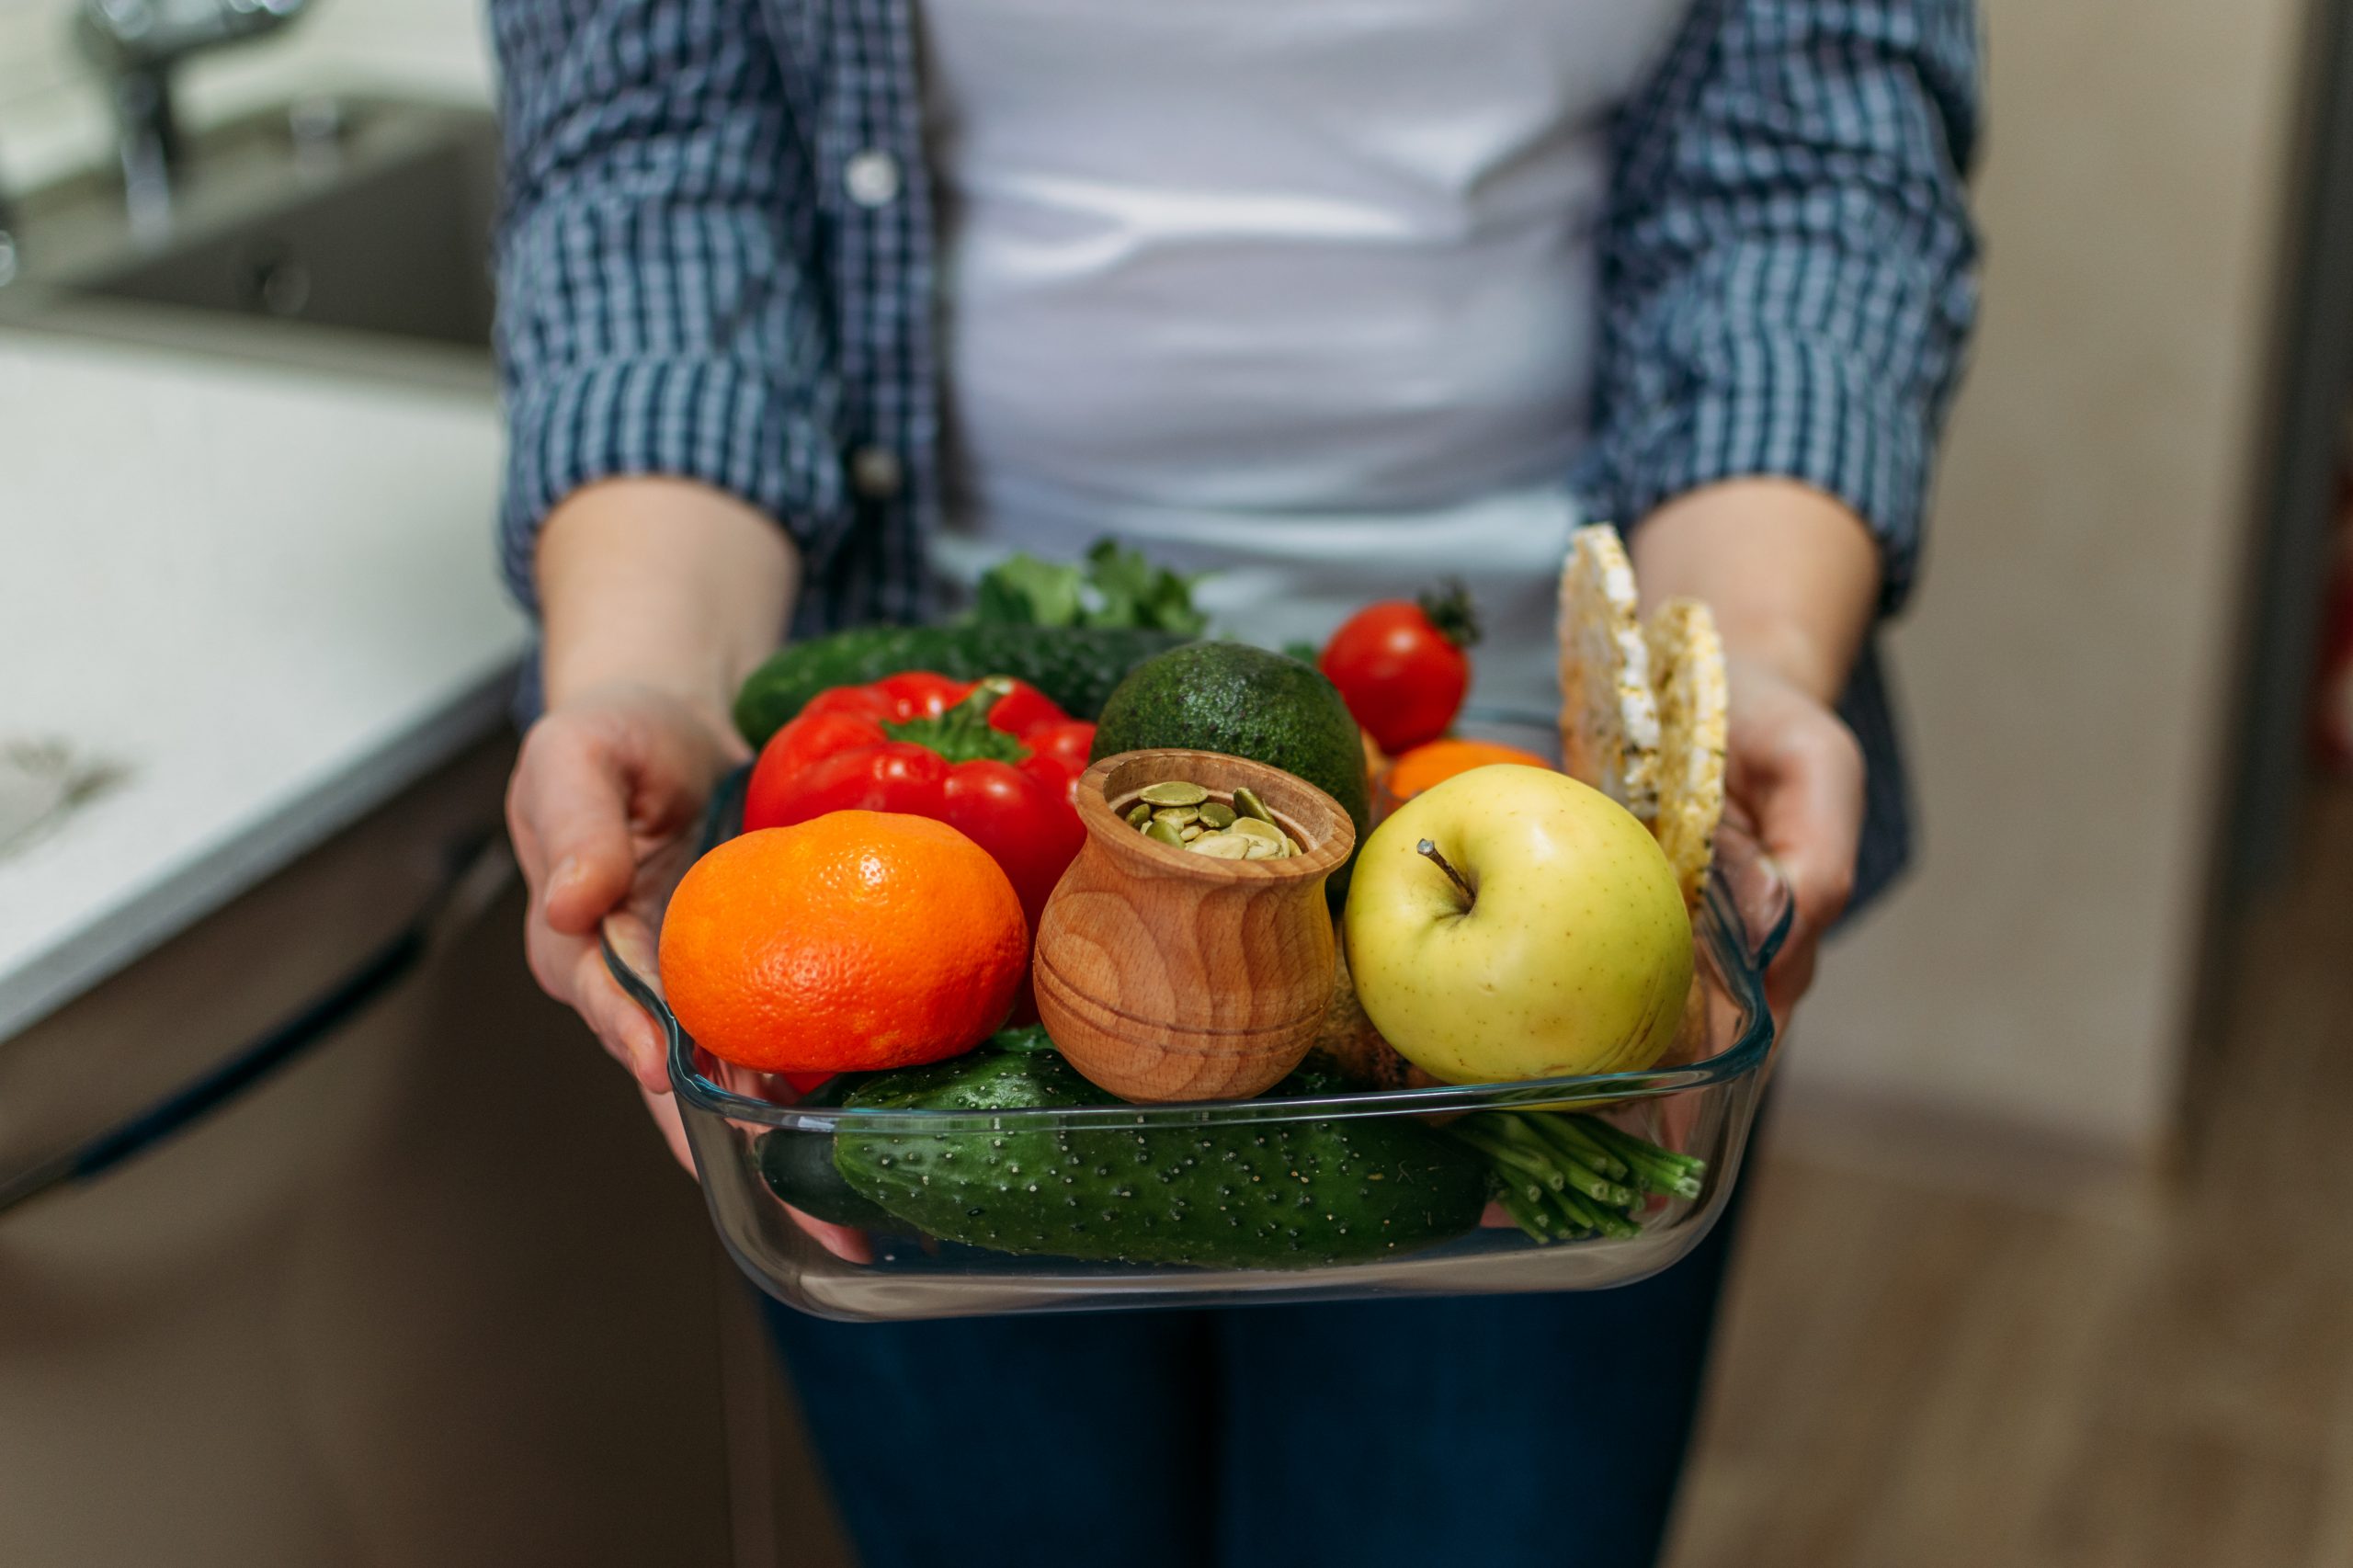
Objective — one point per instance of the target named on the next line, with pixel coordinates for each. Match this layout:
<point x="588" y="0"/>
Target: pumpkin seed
<point x="1179" y="812"/>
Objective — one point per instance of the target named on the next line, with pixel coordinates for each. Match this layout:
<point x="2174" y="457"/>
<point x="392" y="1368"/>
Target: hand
<point x="1795" y="773"/>
<point x="604" y="800"/>
<point x="1793" y="577"/>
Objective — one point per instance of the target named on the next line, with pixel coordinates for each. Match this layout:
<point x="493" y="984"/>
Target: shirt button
<point x="871" y="178"/>
<point x="875" y="474"/>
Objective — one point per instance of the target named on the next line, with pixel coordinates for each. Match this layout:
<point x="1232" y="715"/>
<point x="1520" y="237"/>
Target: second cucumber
<point x="1076" y="665"/>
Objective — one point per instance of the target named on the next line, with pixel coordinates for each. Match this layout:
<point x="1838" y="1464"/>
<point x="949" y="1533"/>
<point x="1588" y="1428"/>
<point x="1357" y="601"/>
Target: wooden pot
<point x="1166" y="975"/>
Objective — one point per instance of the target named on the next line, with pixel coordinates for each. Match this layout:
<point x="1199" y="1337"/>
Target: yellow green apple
<point x="1512" y="923"/>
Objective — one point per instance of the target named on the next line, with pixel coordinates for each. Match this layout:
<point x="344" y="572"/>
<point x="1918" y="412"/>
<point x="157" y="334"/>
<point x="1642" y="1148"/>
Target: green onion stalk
<point x="1569" y="1175"/>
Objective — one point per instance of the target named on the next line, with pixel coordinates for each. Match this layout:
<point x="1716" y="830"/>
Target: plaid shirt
<point x="719" y="261"/>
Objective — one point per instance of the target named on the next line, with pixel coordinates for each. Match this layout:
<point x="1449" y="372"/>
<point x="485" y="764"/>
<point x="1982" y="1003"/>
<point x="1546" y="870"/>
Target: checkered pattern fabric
<point x="717" y="261"/>
<point x="1788" y="266"/>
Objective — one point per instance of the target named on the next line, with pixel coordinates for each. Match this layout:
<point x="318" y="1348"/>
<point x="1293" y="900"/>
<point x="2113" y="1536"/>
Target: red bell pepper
<point x="996" y="759"/>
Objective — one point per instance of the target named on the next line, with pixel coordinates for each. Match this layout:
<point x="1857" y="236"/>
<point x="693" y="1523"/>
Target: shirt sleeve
<point x="1788" y="266"/>
<point x="656" y="313"/>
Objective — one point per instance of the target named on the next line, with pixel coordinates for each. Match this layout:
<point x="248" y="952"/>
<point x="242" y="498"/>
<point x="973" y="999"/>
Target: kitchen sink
<point x="342" y="235"/>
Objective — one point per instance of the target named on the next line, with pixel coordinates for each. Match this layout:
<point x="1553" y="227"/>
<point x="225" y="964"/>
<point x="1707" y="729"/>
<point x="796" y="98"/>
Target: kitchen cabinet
<point x="432" y="1294"/>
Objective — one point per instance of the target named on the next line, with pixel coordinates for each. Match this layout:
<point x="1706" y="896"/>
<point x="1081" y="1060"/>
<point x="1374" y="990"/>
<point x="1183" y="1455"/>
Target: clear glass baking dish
<point x="1699" y="1104"/>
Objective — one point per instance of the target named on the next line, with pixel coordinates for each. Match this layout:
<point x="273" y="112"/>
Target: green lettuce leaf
<point x="1115" y="587"/>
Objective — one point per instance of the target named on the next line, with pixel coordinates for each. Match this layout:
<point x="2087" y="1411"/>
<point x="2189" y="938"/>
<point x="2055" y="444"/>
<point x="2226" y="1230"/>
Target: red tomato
<point x="1401" y="667"/>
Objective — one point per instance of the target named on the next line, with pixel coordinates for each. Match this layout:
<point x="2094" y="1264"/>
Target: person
<point x="806" y="310"/>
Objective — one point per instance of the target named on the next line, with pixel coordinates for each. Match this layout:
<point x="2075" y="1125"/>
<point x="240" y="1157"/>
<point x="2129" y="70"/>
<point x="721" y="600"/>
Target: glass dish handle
<point x="615" y="933"/>
<point x="1750" y="889"/>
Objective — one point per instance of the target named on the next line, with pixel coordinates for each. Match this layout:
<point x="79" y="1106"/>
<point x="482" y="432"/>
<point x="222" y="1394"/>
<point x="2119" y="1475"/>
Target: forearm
<point x="661" y="584"/>
<point x="1788" y="271"/>
<point x="1792" y="576"/>
<point x="657" y="316"/>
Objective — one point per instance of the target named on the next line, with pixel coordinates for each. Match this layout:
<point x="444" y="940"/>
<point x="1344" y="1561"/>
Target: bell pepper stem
<point x="962" y="733"/>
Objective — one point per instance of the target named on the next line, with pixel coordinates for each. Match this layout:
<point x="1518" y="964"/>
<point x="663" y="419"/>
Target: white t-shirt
<point x="1301" y="291"/>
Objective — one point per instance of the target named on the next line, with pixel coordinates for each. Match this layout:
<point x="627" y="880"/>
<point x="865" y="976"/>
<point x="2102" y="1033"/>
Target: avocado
<point x="1244" y="701"/>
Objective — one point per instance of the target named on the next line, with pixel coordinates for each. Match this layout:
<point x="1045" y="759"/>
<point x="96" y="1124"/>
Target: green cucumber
<point x="1236" y="1195"/>
<point x="797" y="1166"/>
<point x="1076" y="665"/>
<point x="798" y="1169"/>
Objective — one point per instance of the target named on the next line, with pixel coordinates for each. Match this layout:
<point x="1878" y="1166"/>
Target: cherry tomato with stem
<point x="1403" y="667"/>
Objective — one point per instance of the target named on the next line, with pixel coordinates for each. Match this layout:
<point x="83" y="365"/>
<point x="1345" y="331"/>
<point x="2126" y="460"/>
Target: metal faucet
<point x="11" y="261"/>
<point x="137" y="44"/>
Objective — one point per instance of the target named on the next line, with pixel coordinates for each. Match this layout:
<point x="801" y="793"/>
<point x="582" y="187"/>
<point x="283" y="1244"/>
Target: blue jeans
<point x="1501" y="1430"/>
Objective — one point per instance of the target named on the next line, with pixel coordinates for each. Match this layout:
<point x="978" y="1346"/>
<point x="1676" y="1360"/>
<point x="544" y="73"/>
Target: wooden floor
<point x="1915" y="1377"/>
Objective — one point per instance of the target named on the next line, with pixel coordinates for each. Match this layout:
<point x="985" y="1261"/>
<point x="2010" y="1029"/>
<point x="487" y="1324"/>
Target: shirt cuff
<point x="1801" y="414"/>
<point x="715" y="421"/>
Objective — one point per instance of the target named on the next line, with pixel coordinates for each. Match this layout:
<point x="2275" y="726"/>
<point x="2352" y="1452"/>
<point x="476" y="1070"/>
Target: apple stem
<point x="1430" y="849"/>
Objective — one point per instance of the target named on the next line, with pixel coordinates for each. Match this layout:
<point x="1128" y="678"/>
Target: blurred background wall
<point x="2067" y="660"/>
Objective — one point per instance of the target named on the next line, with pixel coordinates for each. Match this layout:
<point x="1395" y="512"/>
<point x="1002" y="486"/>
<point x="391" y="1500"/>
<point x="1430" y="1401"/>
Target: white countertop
<point x="270" y="597"/>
